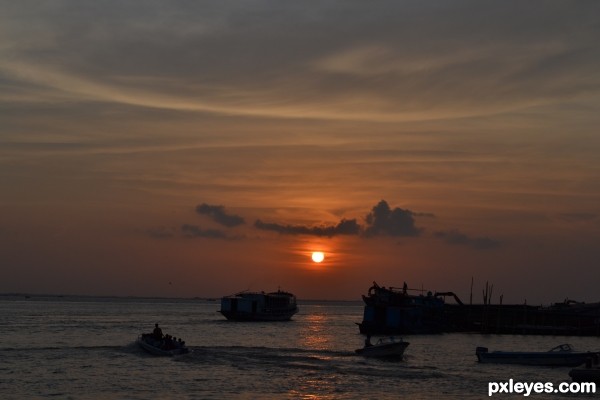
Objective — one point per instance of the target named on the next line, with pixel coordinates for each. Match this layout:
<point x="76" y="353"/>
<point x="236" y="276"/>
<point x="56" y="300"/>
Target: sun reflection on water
<point x="317" y="385"/>
<point x="316" y="336"/>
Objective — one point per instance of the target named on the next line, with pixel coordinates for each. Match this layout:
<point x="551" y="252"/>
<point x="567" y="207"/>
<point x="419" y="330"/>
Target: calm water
<point x="83" y="348"/>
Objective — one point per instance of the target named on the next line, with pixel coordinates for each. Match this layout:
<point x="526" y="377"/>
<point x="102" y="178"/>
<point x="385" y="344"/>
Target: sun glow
<point x="318" y="256"/>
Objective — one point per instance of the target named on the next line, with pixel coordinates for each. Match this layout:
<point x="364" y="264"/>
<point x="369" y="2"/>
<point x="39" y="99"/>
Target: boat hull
<point x="262" y="316"/>
<point x="384" y="350"/>
<point x="548" y="358"/>
<point x="152" y="347"/>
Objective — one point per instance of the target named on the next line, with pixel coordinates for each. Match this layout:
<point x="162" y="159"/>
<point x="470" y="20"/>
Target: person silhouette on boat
<point x="368" y="341"/>
<point x="168" y="342"/>
<point x="157" y="332"/>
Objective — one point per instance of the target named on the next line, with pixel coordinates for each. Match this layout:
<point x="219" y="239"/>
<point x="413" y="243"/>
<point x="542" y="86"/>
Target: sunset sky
<point x="200" y="148"/>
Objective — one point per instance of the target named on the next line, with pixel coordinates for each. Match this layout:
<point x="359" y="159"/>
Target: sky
<point x="201" y="148"/>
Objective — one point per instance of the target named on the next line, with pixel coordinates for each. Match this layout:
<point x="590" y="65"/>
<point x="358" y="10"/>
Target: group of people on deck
<point x="167" y="342"/>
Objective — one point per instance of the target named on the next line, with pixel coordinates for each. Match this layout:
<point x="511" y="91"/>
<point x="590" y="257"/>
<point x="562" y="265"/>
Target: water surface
<point x="83" y="348"/>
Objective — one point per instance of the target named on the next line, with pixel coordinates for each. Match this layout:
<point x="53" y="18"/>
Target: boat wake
<point x="324" y="361"/>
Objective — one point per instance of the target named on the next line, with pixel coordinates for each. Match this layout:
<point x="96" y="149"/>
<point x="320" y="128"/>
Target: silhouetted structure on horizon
<point x="396" y="311"/>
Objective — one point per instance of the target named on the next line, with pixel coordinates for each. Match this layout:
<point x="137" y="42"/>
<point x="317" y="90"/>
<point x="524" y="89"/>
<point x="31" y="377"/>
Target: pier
<point x="396" y="311"/>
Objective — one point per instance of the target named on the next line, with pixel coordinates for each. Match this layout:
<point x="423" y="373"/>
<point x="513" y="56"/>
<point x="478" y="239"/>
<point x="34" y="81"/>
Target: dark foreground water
<point x="83" y="348"/>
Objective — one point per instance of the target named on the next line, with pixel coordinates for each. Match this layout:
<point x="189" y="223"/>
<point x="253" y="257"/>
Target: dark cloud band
<point x="344" y="227"/>
<point x="218" y="214"/>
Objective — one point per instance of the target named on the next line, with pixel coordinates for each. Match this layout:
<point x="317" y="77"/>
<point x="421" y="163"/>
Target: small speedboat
<point x="161" y="347"/>
<point x="385" y="347"/>
<point x="585" y="374"/>
<point x="562" y="355"/>
<point x="588" y="373"/>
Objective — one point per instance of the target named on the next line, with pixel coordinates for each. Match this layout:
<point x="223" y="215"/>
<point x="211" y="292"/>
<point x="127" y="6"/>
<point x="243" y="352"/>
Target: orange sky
<point x="199" y="149"/>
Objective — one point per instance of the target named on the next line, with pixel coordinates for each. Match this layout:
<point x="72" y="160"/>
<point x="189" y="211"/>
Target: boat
<point x="259" y="306"/>
<point x="391" y="311"/>
<point x="585" y="374"/>
<point x="385" y="347"/>
<point x="561" y="355"/>
<point x="161" y="347"/>
<point x="588" y="373"/>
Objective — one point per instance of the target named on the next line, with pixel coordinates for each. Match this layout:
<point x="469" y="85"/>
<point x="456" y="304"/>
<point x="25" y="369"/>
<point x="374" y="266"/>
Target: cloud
<point x="392" y="61"/>
<point x="218" y="214"/>
<point x="423" y="214"/>
<point x="344" y="227"/>
<point x="382" y="221"/>
<point x="455" y="237"/>
<point x="160" y="232"/>
<point x="194" y="231"/>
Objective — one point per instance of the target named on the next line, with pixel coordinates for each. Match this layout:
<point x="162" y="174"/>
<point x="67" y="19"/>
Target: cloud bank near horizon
<point x="381" y="221"/>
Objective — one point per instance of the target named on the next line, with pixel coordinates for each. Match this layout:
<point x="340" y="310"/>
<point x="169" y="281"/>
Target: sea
<point x="70" y="347"/>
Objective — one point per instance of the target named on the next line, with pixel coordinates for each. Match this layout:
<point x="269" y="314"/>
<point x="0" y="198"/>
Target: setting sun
<point x="318" y="256"/>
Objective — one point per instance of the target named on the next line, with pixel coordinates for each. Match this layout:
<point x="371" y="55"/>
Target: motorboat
<point x="588" y="373"/>
<point x="561" y="355"/>
<point x="166" y="346"/>
<point x="585" y="374"/>
<point x="384" y="347"/>
<point x="259" y="306"/>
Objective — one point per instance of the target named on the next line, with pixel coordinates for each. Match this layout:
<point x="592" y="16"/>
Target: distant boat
<point x="160" y="347"/>
<point x="385" y="347"/>
<point x="255" y="306"/>
<point x="562" y="355"/>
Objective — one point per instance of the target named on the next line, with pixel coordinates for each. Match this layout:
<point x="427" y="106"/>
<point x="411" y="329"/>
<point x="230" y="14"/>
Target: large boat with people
<point x="401" y="311"/>
<point x="259" y="306"/>
<point x="396" y="311"/>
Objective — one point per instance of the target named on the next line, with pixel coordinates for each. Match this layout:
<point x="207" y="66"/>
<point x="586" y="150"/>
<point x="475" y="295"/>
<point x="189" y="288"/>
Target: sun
<point x="318" y="256"/>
